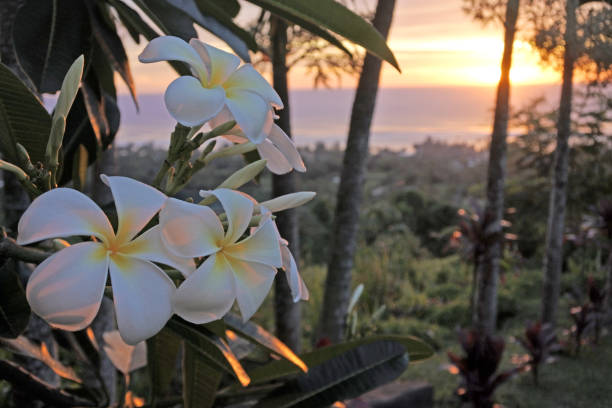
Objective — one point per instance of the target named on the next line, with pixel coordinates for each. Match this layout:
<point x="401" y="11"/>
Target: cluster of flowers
<point x="225" y="257"/>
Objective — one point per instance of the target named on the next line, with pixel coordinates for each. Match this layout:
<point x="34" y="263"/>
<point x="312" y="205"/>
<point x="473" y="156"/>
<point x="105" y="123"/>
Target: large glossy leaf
<point x="225" y="16"/>
<point x="22" y="345"/>
<point x="347" y="375"/>
<point x="79" y="131"/>
<point x="211" y="346"/>
<point x="201" y="379"/>
<point x="170" y="19"/>
<point x="23" y="119"/>
<point x="226" y="30"/>
<point x="49" y="35"/>
<point x="106" y="36"/>
<point x="335" y="17"/>
<point x="14" y="308"/>
<point x="416" y="349"/>
<point x="132" y="21"/>
<point x="262" y="337"/>
<point x="162" y="353"/>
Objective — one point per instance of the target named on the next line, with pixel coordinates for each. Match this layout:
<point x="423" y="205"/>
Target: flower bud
<point x="288" y="201"/>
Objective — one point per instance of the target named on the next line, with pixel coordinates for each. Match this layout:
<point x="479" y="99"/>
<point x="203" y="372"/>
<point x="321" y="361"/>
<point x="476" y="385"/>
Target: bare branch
<point x="10" y="248"/>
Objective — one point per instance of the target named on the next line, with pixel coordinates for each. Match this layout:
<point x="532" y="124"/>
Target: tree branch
<point x="10" y="248"/>
<point x="37" y="388"/>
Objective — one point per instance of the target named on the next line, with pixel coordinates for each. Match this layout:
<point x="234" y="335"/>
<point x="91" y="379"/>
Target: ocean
<point x="403" y="116"/>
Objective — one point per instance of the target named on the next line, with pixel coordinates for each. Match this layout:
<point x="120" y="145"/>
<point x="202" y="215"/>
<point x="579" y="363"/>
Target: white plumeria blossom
<point x="277" y="148"/>
<point x="299" y="291"/>
<point x="218" y="84"/>
<point x="236" y="269"/>
<point x="66" y="289"/>
<point x="298" y="288"/>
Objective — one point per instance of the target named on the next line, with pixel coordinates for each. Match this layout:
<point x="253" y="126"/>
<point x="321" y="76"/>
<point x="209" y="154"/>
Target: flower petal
<point x="190" y="103"/>
<point x="276" y="162"/>
<point x="247" y="78"/>
<point x="287" y="148"/>
<point x="136" y="204"/>
<point x="190" y="230"/>
<point x="62" y="212"/>
<point x="253" y="283"/>
<point x="239" y="210"/>
<point x="262" y="246"/>
<point x="208" y="293"/>
<point x="142" y="294"/>
<point x="66" y="289"/>
<point x="220" y="64"/>
<point x="149" y="247"/>
<point x="296" y="284"/>
<point x="250" y="112"/>
<point x="170" y="48"/>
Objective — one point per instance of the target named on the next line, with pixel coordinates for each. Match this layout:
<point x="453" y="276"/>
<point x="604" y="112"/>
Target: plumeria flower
<point x="66" y="289"/>
<point x="298" y="288"/>
<point x="277" y="148"/>
<point x="217" y="83"/>
<point x="236" y="269"/>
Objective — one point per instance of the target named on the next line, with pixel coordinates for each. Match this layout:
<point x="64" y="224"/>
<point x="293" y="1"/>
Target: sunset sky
<point x="434" y="42"/>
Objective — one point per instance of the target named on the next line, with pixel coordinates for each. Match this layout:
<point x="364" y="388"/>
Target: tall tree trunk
<point x="344" y="238"/>
<point x="558" y="194"/>
<point x="288" y="315"/>
<point x="485" y="310"/>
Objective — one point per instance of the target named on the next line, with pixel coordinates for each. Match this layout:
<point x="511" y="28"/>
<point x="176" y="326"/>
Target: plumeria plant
<point x="175" y="268"/>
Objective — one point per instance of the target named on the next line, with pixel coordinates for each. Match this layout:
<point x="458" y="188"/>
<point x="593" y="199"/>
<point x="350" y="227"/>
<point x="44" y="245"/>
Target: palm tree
<point x="344" y="236"/>
<point x="485" y="311"/>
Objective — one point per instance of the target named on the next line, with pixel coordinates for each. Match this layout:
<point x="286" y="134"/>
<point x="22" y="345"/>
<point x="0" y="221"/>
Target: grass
<point x="567" y="382"/>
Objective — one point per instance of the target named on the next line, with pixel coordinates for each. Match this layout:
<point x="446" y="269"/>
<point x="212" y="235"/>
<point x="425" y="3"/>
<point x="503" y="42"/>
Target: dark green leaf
<point x="174" y="21"/>
<point x="344" y="376"/>
<point x="23" y="119"/>
<point x="49" y="36"/>
<point x="335" y="17"/>
<point x="111" y="45"/>
<point x="225" y="17"/>
<point x="201" y="379"/>
<point x="235" y="37"/>
<point x="162" y="353"/>
<point x="211" y="346"/>
<point x="132" y="21"/>
<point x="14" y="308"/>
<point x="79" y="168"/>
<point x="416" y="349"/>
<point x="259" y="335"/>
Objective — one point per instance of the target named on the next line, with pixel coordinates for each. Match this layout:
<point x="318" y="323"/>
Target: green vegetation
<point x="405" y="261"/>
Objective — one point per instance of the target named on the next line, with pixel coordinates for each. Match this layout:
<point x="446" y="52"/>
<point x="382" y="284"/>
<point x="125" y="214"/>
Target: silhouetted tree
<point x="344" y="237"/>
<point x="485" y="306"/>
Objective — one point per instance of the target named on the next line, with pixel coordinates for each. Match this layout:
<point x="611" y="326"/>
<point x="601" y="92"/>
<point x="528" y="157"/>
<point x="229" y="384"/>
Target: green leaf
<point x="130" y="18"/>
<point x="162" y="352"/>
<point x="416" y="349"/>
<point x="79" y="168"/>
<point x="335" y="17"/>
<point x="23" y="119"/>
<point x="345" y="376"/>
<point x="234" y="38"/>
<point x="260" y="336"/>
<point x="170" y="19"/>
<point x="70" y="87"/>
<point x="112" y="47"/>
<point x="14" y="308"/>
<point x="200" y="379"/>
<point x="211" y="346"/>
<point x="49" y="36"/>
<point x="220" y="13"/>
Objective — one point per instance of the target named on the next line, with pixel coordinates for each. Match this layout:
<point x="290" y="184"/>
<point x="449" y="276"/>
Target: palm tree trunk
<point x="485" y="312"/>
<point x="344" y="238"/>
<point x="288" y="315"/>
<point x="558" y="194"/>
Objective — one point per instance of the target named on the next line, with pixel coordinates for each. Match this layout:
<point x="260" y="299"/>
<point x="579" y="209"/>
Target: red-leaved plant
<point x="539" y="341"/>
<point x="478" y="367"/>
